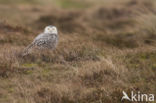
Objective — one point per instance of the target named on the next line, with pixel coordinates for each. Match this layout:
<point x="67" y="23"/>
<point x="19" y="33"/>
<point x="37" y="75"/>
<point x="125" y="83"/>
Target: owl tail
<point x="28" y="49"/>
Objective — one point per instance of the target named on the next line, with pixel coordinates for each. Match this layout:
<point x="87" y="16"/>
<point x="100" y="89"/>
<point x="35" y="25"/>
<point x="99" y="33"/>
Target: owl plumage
<point x="46" y="40"/>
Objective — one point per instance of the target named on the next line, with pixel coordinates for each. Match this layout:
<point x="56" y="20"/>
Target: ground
<point x="105" y="47"/>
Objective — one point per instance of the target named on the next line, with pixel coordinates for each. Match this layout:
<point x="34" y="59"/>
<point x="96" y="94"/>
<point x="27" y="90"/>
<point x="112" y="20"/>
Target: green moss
<point x="18" y="2"/>
<point x="142" y="70"/>
<point x="29" y="72"/>
<point x="29" y="65"/>
<point x="11" y="90"/>
<point x="45" y="71"/>
<point x="141" y="60"/>
<point x="71" y="4"/>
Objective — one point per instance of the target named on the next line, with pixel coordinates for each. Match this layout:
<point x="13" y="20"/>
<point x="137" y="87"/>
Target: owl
<point x="46" y="40"/>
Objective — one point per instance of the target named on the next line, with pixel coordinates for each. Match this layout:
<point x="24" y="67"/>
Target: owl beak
<point x="51" y="30"/>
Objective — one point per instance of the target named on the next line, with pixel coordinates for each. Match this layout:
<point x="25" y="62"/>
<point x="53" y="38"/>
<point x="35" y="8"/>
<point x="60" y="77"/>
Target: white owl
<point x="46" y="40"/>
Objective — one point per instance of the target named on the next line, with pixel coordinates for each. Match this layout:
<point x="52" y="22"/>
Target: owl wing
<point x="45" y="39"/>
<point x="46" y="36"/>
<point x="39" y="36"/>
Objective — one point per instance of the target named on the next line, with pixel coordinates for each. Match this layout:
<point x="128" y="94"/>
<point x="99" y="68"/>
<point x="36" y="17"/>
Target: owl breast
<point x="48" y="41"/>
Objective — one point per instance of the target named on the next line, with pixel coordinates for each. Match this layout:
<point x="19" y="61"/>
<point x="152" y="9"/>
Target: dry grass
<point x="103" y="50"/>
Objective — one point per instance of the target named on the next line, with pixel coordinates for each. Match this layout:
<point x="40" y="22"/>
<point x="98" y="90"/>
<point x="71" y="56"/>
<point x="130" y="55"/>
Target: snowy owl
<point x="46" y="40"/>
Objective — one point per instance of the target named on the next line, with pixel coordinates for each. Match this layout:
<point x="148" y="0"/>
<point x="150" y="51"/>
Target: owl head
<point x="50" y="29"/>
